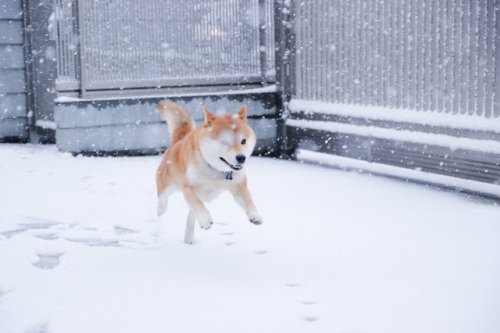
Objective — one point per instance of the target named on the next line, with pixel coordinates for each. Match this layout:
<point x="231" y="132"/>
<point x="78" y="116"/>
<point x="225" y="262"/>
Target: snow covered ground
<point x="81" y="250"/>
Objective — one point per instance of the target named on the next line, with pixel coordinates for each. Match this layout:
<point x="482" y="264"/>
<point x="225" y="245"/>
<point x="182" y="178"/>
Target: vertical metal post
<point x="81" y="33"/>
<point x="28" y="69"/>
<point x="283" y="28"/>
<point x="289" y="50"/>
<point x="279" y="39"/>
<point x="278" y="43"/>
<point x="496" y="111"/>
<point x="262" y="40"/>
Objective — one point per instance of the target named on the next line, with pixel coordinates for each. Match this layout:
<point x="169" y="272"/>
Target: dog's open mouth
<point x="235" y="167"/>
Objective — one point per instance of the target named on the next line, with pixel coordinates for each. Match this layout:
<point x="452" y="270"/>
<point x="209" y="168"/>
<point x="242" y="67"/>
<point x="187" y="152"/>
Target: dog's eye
<point x="243" y="141"/>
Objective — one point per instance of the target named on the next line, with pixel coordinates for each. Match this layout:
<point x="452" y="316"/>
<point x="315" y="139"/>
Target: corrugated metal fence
<point x="378" y="84"/>
<point x="147" y="44"/>
<point x="432" y="55"/>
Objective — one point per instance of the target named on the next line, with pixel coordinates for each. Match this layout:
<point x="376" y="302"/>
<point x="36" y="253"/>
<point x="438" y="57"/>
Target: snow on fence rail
<point x="454" y="143"/>
<point x="367" y="112"/>
<point x="149" y="44"/>
<point x="431" y="55"/>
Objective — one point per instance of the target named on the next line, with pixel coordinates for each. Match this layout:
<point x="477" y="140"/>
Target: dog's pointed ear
<point x="209" y="116"/>
<point x="242" y="114"/>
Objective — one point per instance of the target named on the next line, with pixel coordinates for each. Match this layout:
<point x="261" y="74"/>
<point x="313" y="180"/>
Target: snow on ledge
<point x="46" y="124"/>
<point x="389" y="170"/>
<point x="469" y="122"/>
<point x="452" y="142"/>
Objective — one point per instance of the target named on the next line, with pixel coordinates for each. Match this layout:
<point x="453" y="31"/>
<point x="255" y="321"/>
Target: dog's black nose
<point x="241" y="159"/>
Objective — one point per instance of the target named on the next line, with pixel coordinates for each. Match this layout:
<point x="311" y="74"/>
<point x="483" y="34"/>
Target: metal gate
<point x="126" y="44"/>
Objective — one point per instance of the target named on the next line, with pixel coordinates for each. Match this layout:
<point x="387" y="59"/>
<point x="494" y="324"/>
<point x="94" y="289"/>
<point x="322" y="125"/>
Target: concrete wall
<point x="132" y="125"/>
<point x="13" y="120"/>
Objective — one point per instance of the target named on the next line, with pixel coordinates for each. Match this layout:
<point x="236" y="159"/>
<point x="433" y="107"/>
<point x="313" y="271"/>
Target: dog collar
<point x="227" y="175"/>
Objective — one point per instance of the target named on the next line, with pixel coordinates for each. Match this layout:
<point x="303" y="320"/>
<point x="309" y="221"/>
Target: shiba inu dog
<point x="202" y="162"/>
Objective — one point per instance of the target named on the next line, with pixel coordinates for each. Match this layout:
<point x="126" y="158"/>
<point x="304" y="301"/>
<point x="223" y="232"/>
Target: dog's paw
<point x="205" y="221"/>
<point x="255" y="218"/>
<point x="256" y="221"/>
<point x="206" y="225"/>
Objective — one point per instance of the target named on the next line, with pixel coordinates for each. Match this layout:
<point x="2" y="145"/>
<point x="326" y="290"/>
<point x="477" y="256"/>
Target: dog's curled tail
<point x="178" y="119"/>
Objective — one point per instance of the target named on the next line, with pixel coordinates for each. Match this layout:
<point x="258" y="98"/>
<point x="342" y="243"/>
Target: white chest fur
<point x="209" y="183"/>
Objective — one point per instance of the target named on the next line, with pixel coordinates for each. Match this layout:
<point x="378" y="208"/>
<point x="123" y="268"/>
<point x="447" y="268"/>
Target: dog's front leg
<point x="200" y="211"/>
<point x="243" y="197"/>
<point x="189" y="235"/>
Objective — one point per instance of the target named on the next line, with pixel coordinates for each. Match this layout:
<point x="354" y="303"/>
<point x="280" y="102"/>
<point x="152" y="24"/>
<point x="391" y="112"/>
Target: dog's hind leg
<point x="163" y="200"/>
<point x="189" y="235"/>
